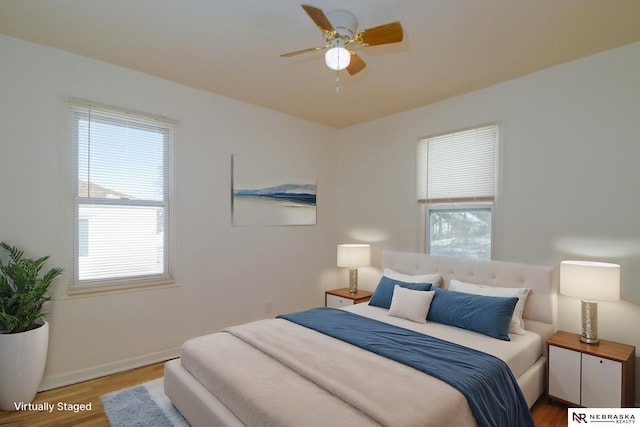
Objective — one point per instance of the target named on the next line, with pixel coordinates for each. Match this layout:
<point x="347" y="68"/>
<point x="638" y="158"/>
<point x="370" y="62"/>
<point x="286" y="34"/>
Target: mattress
<point x="519" y="353"/>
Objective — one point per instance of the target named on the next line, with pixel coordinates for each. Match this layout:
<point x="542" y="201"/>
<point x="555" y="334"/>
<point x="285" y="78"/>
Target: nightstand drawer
<point x="337" y="302"/>
<point x="564" y="374"/>
<point x="601" y="382"/>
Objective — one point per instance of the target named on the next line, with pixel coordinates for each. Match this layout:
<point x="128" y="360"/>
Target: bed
<point x="279" y="372"/>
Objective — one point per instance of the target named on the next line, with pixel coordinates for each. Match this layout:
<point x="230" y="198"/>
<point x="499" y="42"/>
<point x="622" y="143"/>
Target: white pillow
<point x="410" y="304"/>
<point x="517" y="324"/>
<point x="435" y="279"/>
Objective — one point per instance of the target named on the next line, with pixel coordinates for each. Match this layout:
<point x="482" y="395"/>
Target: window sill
<point x="114" y="288"/>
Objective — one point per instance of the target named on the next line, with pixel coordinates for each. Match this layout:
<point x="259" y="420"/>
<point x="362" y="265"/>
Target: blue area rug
<point x="142" y="405"/>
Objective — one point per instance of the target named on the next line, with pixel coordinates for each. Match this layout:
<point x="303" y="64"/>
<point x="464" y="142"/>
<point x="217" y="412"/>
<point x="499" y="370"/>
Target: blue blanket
<point x="486" y="381"/>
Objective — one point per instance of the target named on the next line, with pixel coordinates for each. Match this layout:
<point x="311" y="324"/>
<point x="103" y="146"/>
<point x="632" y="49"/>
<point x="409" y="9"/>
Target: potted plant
<point x="24" y="334"/>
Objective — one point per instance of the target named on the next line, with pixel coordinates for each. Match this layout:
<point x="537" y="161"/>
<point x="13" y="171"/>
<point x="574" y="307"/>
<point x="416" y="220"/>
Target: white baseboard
<point x="60" y="380"/>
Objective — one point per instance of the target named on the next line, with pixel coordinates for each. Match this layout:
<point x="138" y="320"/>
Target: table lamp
<point x="354" y="255"/>
<point x="590" y="281"/>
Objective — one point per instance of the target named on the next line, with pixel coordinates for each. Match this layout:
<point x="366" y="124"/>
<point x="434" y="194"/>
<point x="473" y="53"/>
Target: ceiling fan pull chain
<point x="337" y="81"/>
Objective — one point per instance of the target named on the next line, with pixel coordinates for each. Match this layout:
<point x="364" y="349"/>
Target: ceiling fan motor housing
<point x="344" y="23"/>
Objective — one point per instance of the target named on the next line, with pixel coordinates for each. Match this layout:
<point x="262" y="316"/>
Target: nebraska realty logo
<point x="602" y="416"/>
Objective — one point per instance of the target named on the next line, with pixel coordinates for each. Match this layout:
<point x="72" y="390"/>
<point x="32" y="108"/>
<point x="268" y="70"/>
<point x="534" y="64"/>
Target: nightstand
<point x="342" y="297"/>
<point x="592" y="376"/>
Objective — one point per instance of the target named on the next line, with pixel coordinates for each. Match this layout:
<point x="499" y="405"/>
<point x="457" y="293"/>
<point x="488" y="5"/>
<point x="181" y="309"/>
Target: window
<point x="456" y="180"/>
<point x="122" y="197"/>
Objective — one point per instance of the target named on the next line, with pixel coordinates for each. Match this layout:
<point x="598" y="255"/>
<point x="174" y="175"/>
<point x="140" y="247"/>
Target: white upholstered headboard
<point x="540" y="312"/>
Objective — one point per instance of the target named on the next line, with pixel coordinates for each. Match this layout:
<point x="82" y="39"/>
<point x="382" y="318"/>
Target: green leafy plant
<point x="23" y="290"/>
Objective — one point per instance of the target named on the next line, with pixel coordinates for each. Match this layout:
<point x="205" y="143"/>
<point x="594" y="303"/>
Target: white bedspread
<point x="276" y="373"/>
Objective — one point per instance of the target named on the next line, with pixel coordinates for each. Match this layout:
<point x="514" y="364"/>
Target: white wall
<point x="225" y="275"/>
<point x="569" y="175"/>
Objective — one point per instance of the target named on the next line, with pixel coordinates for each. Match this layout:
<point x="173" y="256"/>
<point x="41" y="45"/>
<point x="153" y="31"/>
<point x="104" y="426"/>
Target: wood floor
<point x="544" y="414"/>
<point x="547" y="415"/>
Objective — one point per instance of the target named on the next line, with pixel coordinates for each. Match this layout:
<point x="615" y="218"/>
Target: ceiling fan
<point x="339" y="30"/>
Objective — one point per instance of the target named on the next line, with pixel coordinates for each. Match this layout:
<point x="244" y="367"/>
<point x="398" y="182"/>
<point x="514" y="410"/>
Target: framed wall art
<point x="268" y="193"/>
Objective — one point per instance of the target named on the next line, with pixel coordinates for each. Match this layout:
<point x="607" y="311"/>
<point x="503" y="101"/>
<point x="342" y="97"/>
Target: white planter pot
<point x="22" y="360"/>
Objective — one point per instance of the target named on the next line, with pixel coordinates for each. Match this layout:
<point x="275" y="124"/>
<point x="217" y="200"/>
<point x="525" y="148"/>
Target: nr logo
<point x="579" y="418"/>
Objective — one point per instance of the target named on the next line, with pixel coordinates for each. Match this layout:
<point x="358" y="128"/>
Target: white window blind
<point x="457" y="167"/>
<point x="122" y="196"/>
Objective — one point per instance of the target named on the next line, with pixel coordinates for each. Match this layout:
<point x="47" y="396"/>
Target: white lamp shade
<point x="337" y="58"/>
<point x="590" y="281"/>
<point x="354" y="255"/>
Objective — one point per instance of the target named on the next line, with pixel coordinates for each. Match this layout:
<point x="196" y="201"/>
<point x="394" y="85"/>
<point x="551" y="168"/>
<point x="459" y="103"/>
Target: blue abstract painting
<point x="258" y="198"/>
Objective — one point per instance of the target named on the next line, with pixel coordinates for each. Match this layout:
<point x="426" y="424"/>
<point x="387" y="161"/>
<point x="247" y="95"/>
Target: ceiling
<point x="232" y="48"/>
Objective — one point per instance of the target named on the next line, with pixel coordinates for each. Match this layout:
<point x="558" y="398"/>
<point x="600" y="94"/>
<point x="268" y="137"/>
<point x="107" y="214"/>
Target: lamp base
<point x="589" y="310"/>
<point x="587" y="340"/>
<point x="353" y="280"/>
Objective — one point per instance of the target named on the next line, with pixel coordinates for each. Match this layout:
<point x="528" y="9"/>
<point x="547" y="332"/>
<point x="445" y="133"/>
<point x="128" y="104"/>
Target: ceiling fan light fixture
<point x="337" y="58"/>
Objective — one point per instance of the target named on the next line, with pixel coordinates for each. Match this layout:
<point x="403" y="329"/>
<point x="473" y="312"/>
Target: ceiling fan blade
<point x="318" y="16"/>
<point x="356" y="64"/>
<point x="298" y="52"/>
<point x="383" y="34"/>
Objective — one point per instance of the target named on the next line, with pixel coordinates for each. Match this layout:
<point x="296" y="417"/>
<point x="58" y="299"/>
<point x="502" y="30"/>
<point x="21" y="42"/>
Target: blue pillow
<point x="480" y="313"/>
<point x="384" y="291"/>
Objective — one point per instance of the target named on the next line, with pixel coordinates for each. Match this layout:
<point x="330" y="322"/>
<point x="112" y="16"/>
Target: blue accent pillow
<point x="484" y="314"/>
<point x="384" y="291"/>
